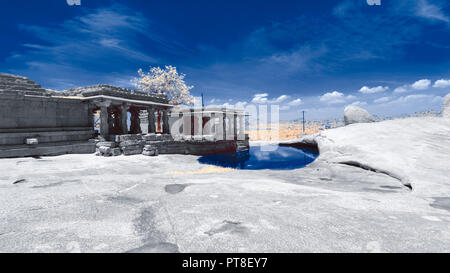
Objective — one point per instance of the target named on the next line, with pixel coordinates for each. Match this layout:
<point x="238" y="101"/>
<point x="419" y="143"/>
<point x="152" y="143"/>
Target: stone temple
<point x="109" y="120"/>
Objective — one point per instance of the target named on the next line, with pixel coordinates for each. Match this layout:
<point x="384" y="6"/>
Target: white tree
<point x="165" y="81"/>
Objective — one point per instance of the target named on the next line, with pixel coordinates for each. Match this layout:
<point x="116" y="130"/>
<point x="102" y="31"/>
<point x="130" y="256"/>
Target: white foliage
<point x="165" y="81"/>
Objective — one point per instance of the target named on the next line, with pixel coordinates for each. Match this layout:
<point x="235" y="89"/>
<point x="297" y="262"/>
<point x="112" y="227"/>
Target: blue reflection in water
<point x="263" y="157"/>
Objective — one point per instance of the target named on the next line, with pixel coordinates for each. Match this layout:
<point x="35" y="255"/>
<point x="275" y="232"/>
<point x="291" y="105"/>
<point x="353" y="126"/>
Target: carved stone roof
<point x="18" y="85"/>
<point x="115" y="91"/>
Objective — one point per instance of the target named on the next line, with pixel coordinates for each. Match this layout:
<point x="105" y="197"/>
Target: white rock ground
<point x="171" y="203"/>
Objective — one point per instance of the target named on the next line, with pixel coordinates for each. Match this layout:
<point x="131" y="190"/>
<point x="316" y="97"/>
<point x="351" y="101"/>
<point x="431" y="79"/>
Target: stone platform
<point x="133" y="144"/>
<point x="47" y="149"/>
<point x="44" y="135"/>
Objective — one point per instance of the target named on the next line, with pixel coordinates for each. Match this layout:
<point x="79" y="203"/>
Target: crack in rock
<point x="19" y="181"/>
<point x="56" y="184"/>
<point x="123" y="199"/>
<point x="369" y="168"/>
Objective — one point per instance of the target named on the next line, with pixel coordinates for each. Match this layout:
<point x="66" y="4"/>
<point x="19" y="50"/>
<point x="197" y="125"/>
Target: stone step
<point x="21" y="87"/>
<point x="18" y="138"/>
<point x="22" y="93"/>
<point x="47" y="149"/>
<point x="16" y="81"/>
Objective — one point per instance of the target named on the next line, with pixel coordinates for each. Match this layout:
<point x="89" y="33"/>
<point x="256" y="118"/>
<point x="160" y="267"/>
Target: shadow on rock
<point x="163" y="247"/>
<point x="175" y="188"/>
<point x="153" y="240"/>
<point x="228" y="226"/>
<point x="441" y="203"/>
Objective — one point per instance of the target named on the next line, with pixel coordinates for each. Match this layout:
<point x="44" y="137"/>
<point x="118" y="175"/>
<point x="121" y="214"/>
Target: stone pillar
<point x="180" y="115"/>
<point x="199" y="124"/>
<point x="241" y="135"/>
<point x="219" y="133"/>
<point x="187" y="123"/>
<point x="235" y="126"/>
<point x="212" y="124"/>
<point x="192" y="123"/>
<point x="206" y="130"/>
<point x="135" y="126"/>
<point x="124" y="119"/>
<point x="166" y="127"/>
<point x="91" y="115"/>
<point x="224" y="125"/>
<point x="104" y="118"/>
<point x="104" y="126"/>
<point x="110" y="121"/>
<point x="151" y="120"/>
<point x="230" y="118"/>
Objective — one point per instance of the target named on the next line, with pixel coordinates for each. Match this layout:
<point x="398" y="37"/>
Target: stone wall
<point x="56" y="125"/>
<point x="44" y="118"/>
<point x="22" y="112"/>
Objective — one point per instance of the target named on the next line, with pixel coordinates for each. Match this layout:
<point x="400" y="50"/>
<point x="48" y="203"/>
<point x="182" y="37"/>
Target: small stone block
<point x="116" y="152"/>
<point x="150" y="137"/>
<point x="31" y="141"/>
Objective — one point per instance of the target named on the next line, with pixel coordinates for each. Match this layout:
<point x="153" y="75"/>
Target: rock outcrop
<point x="446" y="107"/>
<point x="355" y="114"/>
<point x="415" y="151"/>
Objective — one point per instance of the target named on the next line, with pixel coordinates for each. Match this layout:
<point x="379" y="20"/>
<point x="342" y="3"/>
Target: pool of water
<point x="265" y="157"/>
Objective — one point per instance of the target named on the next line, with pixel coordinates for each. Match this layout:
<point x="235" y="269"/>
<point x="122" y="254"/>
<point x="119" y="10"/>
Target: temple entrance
<point x="110" y="118"/>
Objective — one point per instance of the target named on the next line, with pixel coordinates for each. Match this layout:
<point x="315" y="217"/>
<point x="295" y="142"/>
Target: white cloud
<point x="441" y="83"/>
<point x="371" y="90"/>
<point x="260" y="98"/>
<point x="280" y="99"/>
<point x="351" y="97"/>
<point x="295" y="102"/>
<point x="296" y="60"/>
<point x="415" y="97"/>
<point x="240" y="104"/>
<point x="237" y="105"/>
<point x="430" y="11"/>
<point x="418" y="85"/>
<point x="263" y="98"/>
<point x="333" y="97"/>
<point x="421" y="84"/>
<point x="382" y="99"/>
<point x="359" y="103"/>
<point x="401" y="89"/>
<point x="410" y="97"/>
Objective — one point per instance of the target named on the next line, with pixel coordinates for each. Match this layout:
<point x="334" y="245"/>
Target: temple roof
<point x="13" y="84"/>
<point x="115" y="91"/>
<point x="20" y="85"/>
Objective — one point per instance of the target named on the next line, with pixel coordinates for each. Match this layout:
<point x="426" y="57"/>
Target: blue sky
<point x="318" y="56"/>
